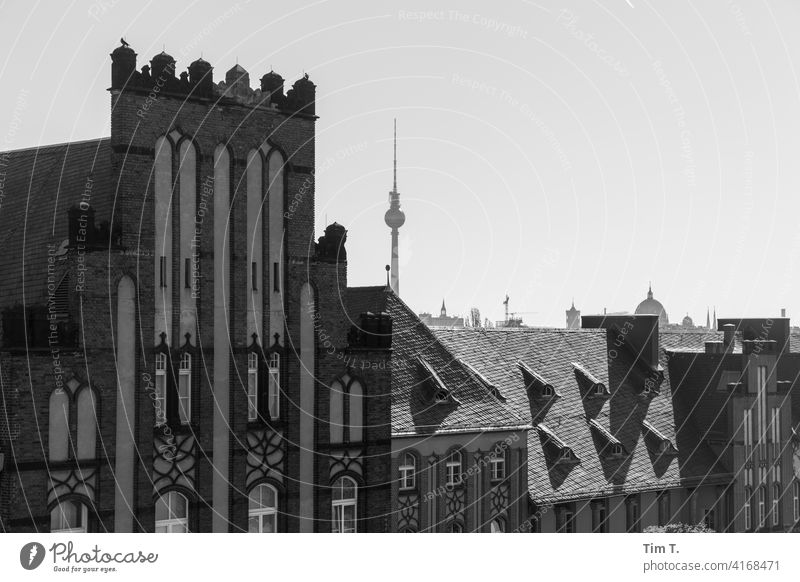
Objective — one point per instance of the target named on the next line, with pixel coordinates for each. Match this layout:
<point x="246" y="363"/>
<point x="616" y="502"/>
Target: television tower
<point x="395" y="218"/>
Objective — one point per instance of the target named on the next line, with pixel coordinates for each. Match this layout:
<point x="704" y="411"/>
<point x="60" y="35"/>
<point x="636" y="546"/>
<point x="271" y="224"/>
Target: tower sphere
<point x="395" y="218"/>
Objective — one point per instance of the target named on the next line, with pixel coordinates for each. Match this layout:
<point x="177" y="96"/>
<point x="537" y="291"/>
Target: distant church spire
<point x="708" y="318"/>
<point x="395" y="218"/>
<point x="444" y="309"/>
<point x="650" y="290"/>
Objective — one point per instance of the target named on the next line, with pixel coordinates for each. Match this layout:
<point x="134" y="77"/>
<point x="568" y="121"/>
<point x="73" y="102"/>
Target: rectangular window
<point x="796" y="500"/>
<point x="708" y="518"/>
<point x="599" y="515"/>
<point x="344" y="517"/>
<point x="162" y="271"/>
<point x="276" y="280"/>
<point x="161" y="389"/>
<point x="762" y="506"/>
<point x="569" y="521"/>
<point x="776" y="511"/>
<point x="748" y="477"/>
<point x="274" y="396"/>
<point x="748" y="516"/>
<point x="187" y="274"/>
<point x="498" y="467"/>
<point x="633" y="523"/>
<point x="254" y="275"/>
<point x="566" y="519"/>
<point x="185" y="389"/>
<point x="407" y="476"/>
<point x="664" y="509"/>
<point x="252" y="386"/>
<point x="453" y="470"/>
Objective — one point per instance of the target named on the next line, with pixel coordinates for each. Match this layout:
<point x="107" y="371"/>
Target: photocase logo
<point x="31" y="555"/>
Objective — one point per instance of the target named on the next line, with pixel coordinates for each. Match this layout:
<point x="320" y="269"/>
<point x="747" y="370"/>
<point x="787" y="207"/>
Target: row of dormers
<point x="558" y="452"/>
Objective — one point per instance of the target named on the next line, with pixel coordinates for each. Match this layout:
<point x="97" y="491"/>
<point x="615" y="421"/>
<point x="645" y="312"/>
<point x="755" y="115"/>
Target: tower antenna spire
<point x="395" y="155"/>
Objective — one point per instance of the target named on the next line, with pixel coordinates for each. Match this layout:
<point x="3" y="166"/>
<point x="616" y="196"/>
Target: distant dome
<point x="652" y="306"/>
<point x="687" y="321"/>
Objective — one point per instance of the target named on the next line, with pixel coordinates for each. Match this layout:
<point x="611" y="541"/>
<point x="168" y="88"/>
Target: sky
<point x="546" y="150"/>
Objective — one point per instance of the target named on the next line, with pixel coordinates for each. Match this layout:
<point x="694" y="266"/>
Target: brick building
<point x="172" y="333"/>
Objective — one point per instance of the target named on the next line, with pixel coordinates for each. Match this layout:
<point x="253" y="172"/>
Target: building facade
<point x="175" y="354"/>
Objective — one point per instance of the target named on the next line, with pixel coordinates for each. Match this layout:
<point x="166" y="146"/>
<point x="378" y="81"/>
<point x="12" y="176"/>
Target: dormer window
<point x="482" y="380"/>
<point x="589" y="385"/>
<point x="538" y="388"/>
<point x="611" y="446"/>
<point x="656" y="441"/>
<point x="555" y="449"/>
<point x="441" y="394"/>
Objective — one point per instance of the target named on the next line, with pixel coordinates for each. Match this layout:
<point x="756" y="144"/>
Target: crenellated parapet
<point x="160" y="77"/>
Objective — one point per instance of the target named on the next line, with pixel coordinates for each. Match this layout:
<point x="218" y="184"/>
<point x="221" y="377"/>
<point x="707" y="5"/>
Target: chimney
<point x="783" y="312"/>
<point x="729" y="332"/>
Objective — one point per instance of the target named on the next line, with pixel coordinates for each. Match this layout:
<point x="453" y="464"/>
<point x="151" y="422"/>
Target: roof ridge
<point x="57" y="145"/>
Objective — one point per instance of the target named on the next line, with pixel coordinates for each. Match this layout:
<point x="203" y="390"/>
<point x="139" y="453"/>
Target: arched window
<point x="252" y="386"/>
<point x="274" y="396"/>
<point x="69" y="517"/>
<point x="498" y="525"/>
<point x="172" y="513"/>
<point x="255" y="240"/>
<point x="453" y="468"/>
<point x="185" y="388"/>
<point x="547" y="391"/>
<point x="408" y="471"/>
<point x="58" y="434"/>
<point x="344" y="501"/>
<point x="497" y="464"/>
<point x="454" y="527"/>
<point x="87" y="424"/>
<point x="776" y="510"/>
<point x="263" y="510"/>
<point x="161" y="389"/>
<point x="748" y="515"/>
<point x="762" y="506"/>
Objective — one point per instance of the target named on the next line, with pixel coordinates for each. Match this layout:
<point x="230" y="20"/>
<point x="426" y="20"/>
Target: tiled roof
<point x="473" y="406"/>
<point x="551" y="355"/>
<point x="41" y="184"/>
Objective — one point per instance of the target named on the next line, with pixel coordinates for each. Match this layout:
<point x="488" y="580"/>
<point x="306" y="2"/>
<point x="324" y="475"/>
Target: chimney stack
<point x="729" y="331"/>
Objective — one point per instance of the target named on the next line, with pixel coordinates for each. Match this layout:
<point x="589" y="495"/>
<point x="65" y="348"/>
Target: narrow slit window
<point x="162" y="269"/>
<point x="274" y="396"/>
<point x="161" y="389"/>
<point x="276" y="283"/>
<point x="187" y="273"/>
<point x="252" y="386"/>
<point x="185" y="389"/>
